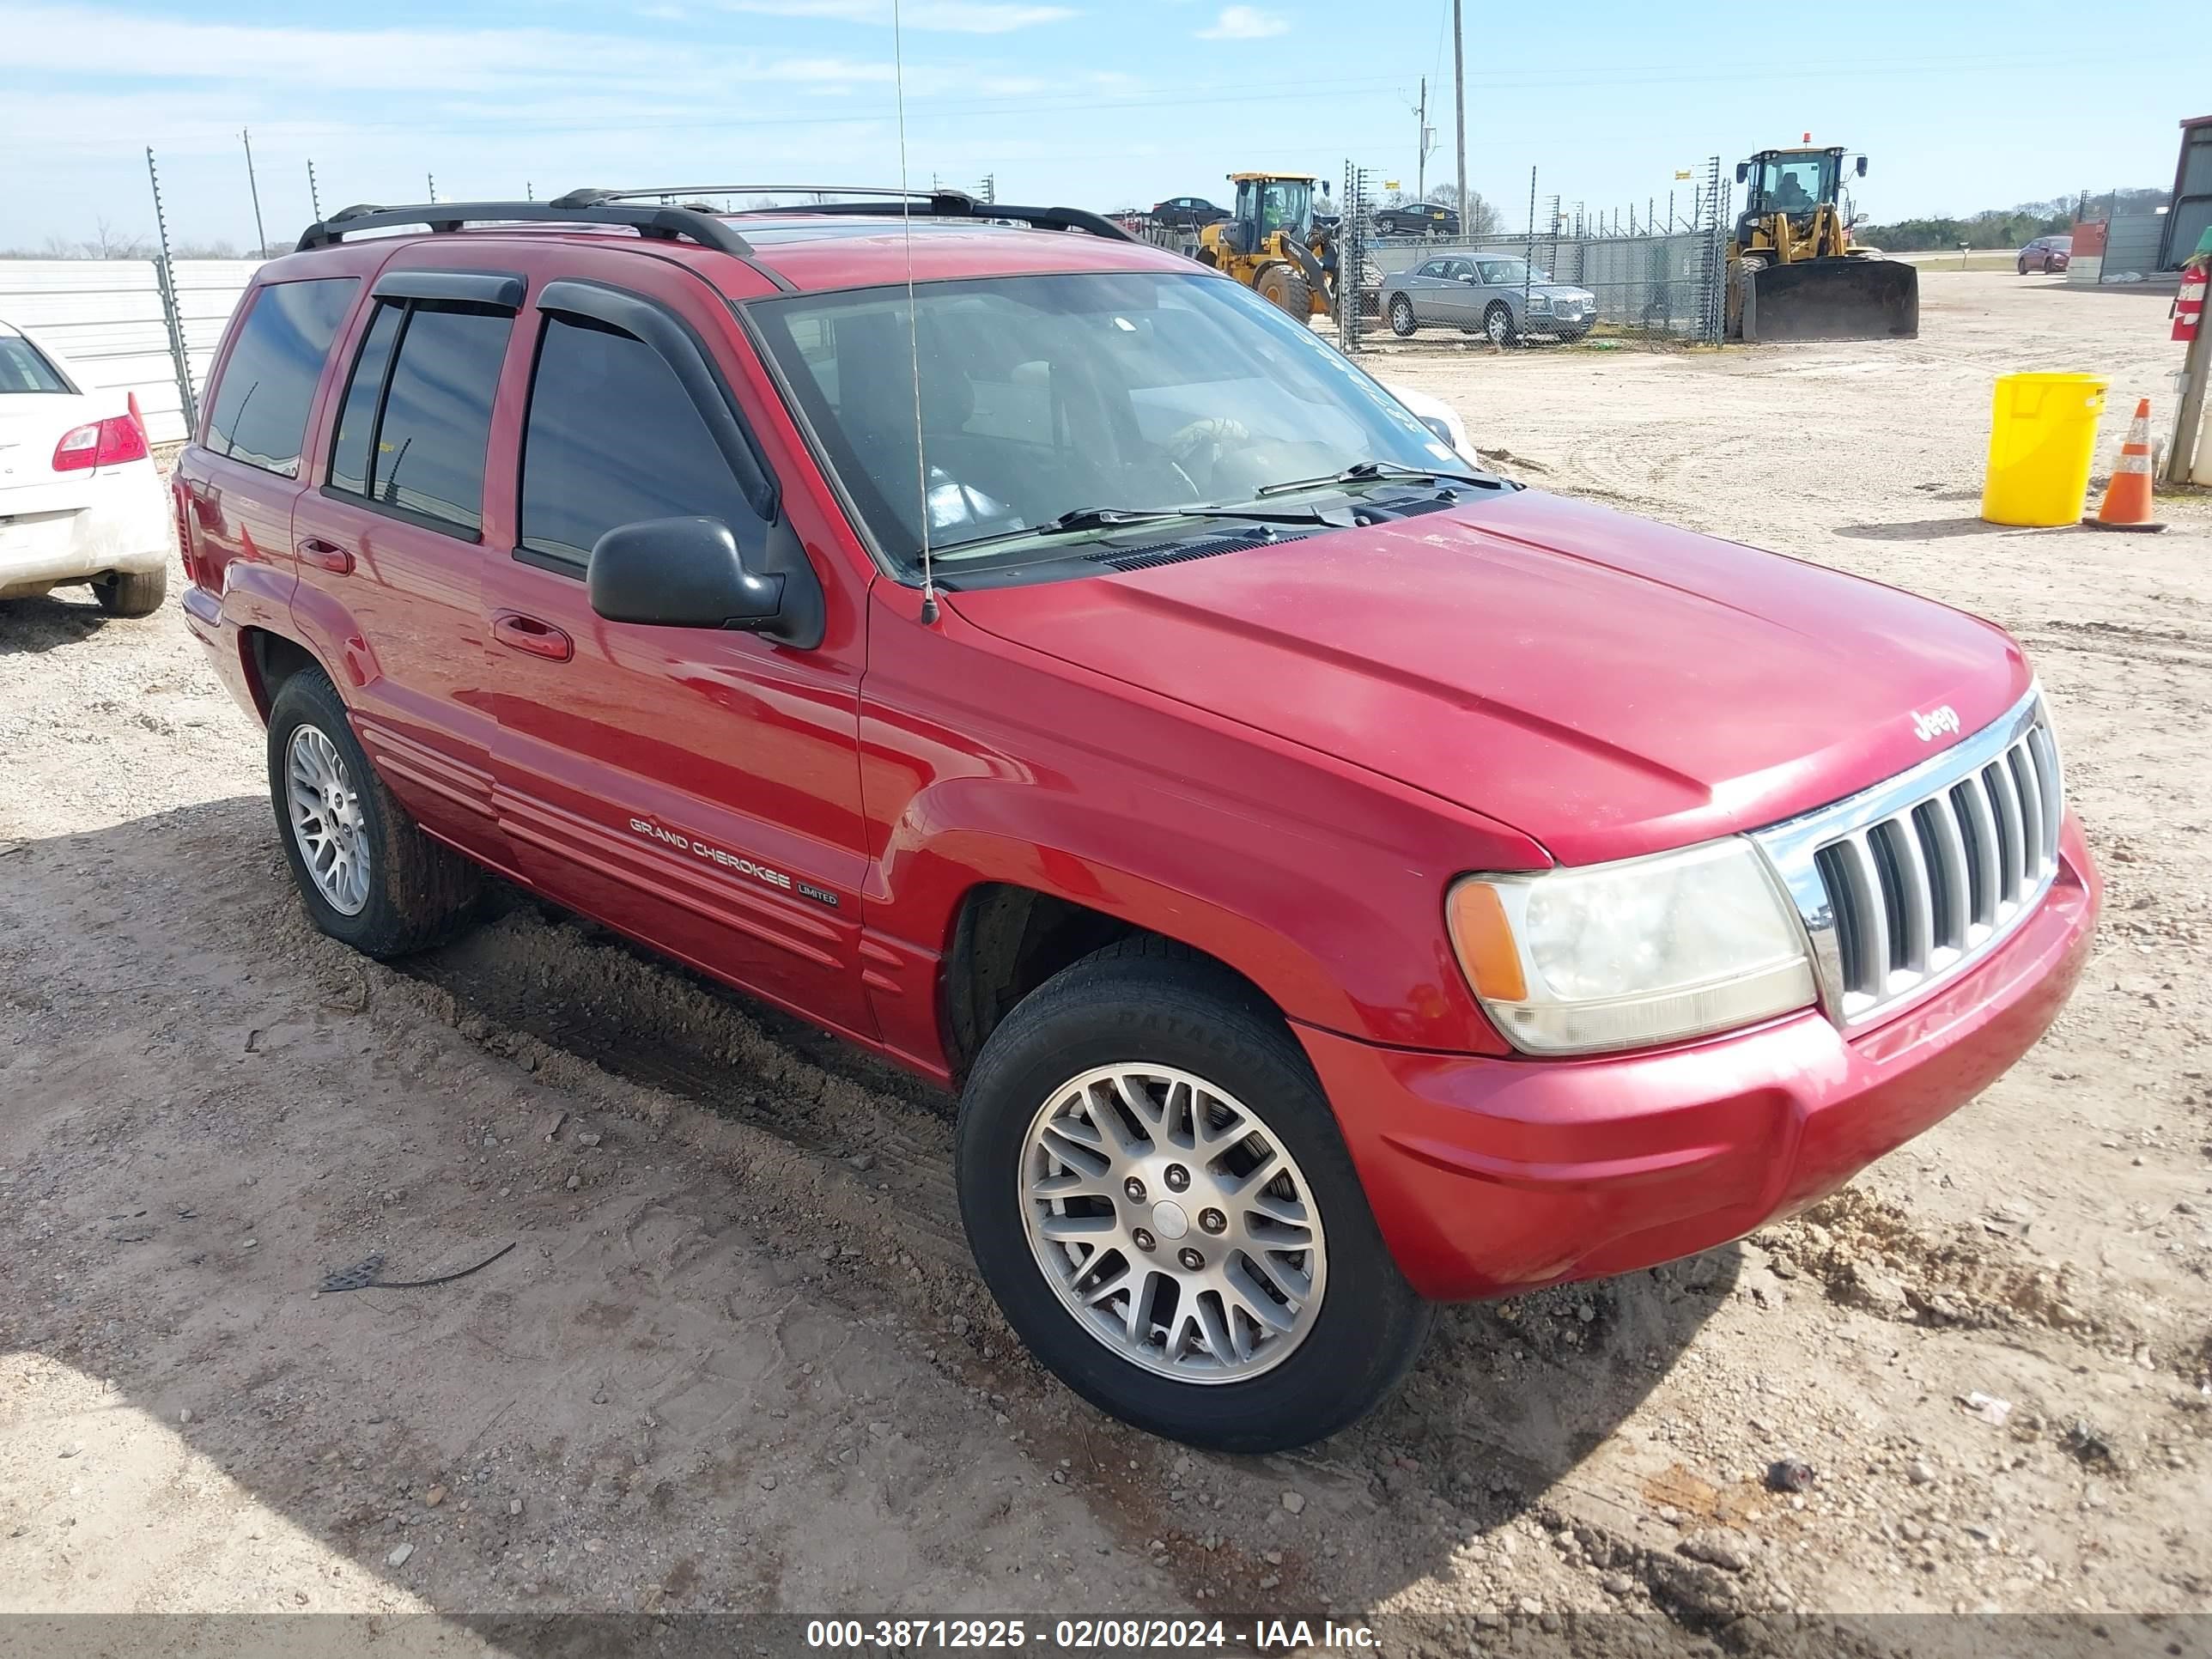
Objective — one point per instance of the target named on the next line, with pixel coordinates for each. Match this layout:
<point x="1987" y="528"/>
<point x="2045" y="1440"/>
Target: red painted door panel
<point x="697" y="788"/>
<point x="390" y="555"/>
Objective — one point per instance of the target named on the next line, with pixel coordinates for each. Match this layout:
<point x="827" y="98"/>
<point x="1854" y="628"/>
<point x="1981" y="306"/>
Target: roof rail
<point x="663" y="223"/>
<point x="937" y="203"/>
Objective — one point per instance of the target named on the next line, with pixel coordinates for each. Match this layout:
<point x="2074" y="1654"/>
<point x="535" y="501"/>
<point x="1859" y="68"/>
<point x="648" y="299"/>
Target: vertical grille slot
<point x="1851" y="932"/>
<point x="1908" y="882"/>
<point x="1980" y="829"/>
<point x="2004" y="806"/>
<point x="1949" y="886"/>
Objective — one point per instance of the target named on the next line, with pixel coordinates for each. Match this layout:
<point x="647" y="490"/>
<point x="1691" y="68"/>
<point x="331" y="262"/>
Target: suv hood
<point x="1607" y="685"/>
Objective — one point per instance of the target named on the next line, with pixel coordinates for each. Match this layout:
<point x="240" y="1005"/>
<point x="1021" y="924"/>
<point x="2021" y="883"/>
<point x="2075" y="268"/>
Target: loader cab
<point x="1267" y="203"/>
<point x="1791" y="181"/>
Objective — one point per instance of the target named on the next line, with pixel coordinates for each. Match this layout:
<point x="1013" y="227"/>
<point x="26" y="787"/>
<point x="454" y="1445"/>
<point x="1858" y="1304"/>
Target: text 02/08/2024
<point x="1079" y="1635"/>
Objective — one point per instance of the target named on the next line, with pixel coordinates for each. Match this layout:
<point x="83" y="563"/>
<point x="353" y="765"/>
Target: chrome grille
<point x="1906" y="884"/>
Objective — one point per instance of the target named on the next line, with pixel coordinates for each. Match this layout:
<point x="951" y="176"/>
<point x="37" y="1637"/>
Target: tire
<point x="137" y="593"/>
<point x="2023" y="267"/>
<point x="412" y="892"/>
<point x="1402" y="320"/>
<point x="1497" y="324"/>
<point x="1147" y="1005"/>
<point x="1285" y="287"/>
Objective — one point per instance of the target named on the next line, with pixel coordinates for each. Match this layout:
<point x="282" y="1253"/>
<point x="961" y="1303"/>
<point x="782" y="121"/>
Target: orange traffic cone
<point x="2127" y="497"/>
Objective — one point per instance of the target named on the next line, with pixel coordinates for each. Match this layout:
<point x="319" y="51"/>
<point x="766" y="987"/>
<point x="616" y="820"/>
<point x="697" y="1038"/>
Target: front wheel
<point x="1288" y="290"/>
<point x="1402" y="320"/>
<point x="1497" y="324"/>
<point x="1156" y="1191"/>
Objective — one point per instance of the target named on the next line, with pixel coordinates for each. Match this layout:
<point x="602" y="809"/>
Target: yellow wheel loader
<point x="1793" y="271"/>
<point x="1275" y="244"/>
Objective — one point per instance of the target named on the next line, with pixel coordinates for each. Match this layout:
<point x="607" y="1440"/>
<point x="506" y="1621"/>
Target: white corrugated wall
<point x="104" y="316"/>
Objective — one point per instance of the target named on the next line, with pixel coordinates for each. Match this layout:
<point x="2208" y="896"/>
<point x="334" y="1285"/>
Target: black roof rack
<point x="887" y="199"/>
<point x="664" y="223"/>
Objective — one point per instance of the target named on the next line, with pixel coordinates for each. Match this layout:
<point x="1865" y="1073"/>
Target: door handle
<point x="326" y="556"/>
<point x="520" y="633"/>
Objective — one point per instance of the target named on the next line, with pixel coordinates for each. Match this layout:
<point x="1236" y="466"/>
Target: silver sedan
<point x="1496" y="293"/>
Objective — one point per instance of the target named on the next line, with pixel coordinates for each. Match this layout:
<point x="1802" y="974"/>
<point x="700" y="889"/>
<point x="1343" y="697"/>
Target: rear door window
<point x="416" y="420"/>
<point x="612" y="438"/>
<point x="260" y="411"/>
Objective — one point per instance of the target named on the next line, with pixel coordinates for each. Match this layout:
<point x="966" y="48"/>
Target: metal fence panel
<point x="105" y="317"/>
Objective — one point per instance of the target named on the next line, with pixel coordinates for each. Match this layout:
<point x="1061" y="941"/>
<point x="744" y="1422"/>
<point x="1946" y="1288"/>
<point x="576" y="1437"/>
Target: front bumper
<point x="1490" y="1176"/>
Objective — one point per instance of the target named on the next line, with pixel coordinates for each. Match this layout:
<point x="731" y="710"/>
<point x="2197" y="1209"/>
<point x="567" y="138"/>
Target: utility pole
<point x="1424" y="142"/>
<point x="260" y="236"/>
<point x="314" y="196"/>
<point x="431" y="179"/>
<point x="1459" y="118"/>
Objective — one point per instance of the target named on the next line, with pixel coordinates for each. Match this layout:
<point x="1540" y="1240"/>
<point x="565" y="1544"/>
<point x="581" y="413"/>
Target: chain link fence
<point x="1566" y="276"/>
<point x="1650" y="273"/>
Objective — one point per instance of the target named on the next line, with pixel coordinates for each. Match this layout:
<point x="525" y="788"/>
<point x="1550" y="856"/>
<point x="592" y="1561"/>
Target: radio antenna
<point x="913" y="328"/>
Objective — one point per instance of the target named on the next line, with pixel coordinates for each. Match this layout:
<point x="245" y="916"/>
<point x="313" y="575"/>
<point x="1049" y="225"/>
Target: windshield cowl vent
<point x="1177" y="552"/>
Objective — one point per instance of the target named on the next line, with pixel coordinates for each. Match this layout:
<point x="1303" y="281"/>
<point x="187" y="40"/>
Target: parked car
<point x="2046" y="253"/>
<point x="79" y="499"/>
<point x="1497" y="294"/>
<point x="1439" y="417"/>
<point x="1186" y="213"/>
<point x="1333" y="879"/>
<point x="1417" y="219"/>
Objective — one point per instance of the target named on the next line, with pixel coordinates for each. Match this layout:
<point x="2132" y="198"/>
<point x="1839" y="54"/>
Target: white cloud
<point x="939" y="17"/>
<point x="1245" y="23"/>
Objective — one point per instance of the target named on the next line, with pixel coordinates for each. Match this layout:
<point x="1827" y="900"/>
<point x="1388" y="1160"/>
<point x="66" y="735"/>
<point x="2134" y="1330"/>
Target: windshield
<point x="1277" y="204"/>
<point x="1796" y="184"/>
<point x="1045" y="396"/>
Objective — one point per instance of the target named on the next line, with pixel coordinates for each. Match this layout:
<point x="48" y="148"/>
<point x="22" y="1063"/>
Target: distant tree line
<point x="107" y="242"/>
<point x="2008" y="226"/>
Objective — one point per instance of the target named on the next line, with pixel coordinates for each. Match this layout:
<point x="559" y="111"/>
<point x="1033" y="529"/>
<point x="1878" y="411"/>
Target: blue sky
<point x="1961" y="105"/>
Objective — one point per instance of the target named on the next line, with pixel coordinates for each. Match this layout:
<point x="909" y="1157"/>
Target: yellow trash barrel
<point x="2043" y="437"/>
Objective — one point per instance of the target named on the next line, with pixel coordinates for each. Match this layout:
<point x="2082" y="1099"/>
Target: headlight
<point x="1615" y="956"/>
<point x="1539" y="302"/>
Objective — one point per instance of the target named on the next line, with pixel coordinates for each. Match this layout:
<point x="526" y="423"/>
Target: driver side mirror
<point x="1743" y="171"/>
<point x="680" y="573"/>
<point x="1862" y="167"/>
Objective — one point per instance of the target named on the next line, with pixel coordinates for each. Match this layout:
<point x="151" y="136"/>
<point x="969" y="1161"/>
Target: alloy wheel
<point x="1172" y="1223"/>
<point x="324" y="806"/>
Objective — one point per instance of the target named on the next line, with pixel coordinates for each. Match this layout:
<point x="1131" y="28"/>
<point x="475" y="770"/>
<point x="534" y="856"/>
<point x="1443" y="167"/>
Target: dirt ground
<point x="736" y="1358"/>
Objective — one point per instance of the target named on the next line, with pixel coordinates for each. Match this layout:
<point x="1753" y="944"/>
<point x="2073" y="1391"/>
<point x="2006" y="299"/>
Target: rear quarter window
<point x="260" y="411"/>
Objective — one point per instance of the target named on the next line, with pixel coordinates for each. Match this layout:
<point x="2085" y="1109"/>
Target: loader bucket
<point x="1833" y="299"/>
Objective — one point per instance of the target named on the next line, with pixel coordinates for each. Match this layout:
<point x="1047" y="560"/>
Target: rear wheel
<point x="369" y="876"/>
<point x="137" y="593"/>
<point x="1287" y="287"/>
<point x="1156" y="1191"/>
<point x="1402" y="320"/>
<point x="1497" y="324"/>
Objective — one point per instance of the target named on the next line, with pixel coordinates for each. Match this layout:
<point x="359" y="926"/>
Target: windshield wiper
<point x="1374" y="471"/>
<point x="1116" y="518"/>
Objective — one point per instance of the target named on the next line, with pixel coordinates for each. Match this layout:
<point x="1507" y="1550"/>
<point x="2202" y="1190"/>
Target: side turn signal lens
<point x="1483" y="939"/>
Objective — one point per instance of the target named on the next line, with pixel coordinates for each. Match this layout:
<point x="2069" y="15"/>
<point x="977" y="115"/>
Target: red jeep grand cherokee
<point x="1334" y="880"/>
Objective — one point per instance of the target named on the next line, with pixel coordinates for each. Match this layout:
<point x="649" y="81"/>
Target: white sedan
<point x="79" y="498"/>
<point x="1440" y="417"/>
